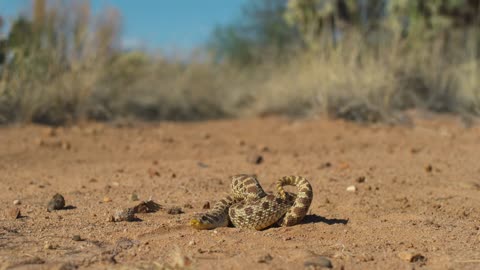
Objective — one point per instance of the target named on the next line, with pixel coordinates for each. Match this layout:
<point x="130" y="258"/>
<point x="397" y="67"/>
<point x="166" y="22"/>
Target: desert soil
<point x="416" y="197"/>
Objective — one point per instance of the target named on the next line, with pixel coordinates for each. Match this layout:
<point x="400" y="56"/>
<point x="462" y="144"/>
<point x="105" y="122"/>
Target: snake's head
<point x="199" y="225"/>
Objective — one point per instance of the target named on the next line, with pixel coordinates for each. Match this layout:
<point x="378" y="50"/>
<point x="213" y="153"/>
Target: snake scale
<point x="249" y="206"/>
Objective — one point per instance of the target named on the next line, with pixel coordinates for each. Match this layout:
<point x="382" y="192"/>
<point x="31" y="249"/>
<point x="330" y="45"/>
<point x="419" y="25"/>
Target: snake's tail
<point x="302" y="202"/>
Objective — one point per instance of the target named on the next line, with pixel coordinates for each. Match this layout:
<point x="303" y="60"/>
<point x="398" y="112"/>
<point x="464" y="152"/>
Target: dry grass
<point x="93" y="80"/>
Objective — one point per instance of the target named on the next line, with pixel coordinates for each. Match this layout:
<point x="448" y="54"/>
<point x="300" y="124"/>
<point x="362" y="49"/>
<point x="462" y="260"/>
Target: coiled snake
<point x="250" y="207"/>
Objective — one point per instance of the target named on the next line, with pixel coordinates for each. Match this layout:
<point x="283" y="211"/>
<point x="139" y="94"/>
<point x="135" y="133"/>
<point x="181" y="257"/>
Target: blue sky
<point x="167" y="24"/>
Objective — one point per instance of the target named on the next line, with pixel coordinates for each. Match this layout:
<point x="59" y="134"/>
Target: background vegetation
<point x="363" y="60"/>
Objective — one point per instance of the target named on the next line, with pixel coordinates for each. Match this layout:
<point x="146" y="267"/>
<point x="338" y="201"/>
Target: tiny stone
<point x="361" y="179"/>
<point x="351" y="188"/>
<point x="206" y="205"/>
<point x="56" y="203"/>
<point x="318" y="262"/>
<point x="15" y="213"/>
<point x="66" y="145"/>
<point x="264" y="148"/>
<point x="191" y="243"/>
<point x="255" y="159"/>
<point x="175" y="210"/>
<point x="411" y="256"/>
<point x="147" y="207"/>
<point x="107" y="199"/>
<point x="133" y="197"/>
<point x="152" y="172"/>
<point x="17" y="202"/>
<point x="127" y="214"/>
<point x="77" y="238"/>
<point x="265" y="259"/>
<point x="48" y="246"/>
<point x="428" y="168"/>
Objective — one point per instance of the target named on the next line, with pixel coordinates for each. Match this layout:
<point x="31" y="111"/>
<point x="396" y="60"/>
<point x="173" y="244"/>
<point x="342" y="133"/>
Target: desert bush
<point x="338" y="58"/>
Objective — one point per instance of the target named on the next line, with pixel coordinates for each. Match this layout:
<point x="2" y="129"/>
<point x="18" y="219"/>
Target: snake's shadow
<point x="317" y="219"/>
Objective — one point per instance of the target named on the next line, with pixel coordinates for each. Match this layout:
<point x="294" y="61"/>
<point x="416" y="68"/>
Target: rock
<point x="147" y="207"/>
<point x="255" y="159"/>
<point x="411" y="256"/>
<point x="152" y="172"/>
<point x="107" y="199"/>
<point x="17" y="202"/>
<point x="77" y="237"/>
<point x="14" y="213"/>
<point x="127" y="214"/>
<point x="263" y="148"/>
<point x="48" y="246"/>
<point x="325" y="165"/>
<point x="317" y="262"/>
<point x="360" y="179"/>
<point x="66" y="145"/>
<point x="202" y="165"/>
<point x="56" y="203"/>
<point x="206" y="205"/>
<point x="133" y="197"/>
<point x="352" y="188"/>
<point x="265" y="258"/>
<point x="175" y="210"/>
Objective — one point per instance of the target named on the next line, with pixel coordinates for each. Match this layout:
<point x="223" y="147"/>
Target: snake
<point x="248" y="206"/>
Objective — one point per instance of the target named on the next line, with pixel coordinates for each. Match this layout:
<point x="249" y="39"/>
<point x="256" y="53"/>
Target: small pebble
<point x="107" y="199"/>
<point x="265" y="258"/>
<point x="192" y="243"/>
<point x="175" y="210"/>
<point x="255" y="159"/>
<point x="133" y="197"/>
<point x="48" y="246"/>
<point x="147" y="207"/>
<point x="14" y="213"/>
<point x="325" y="165"/>
<point x="202" y="165"/>
<point x="56" y="203"/>
<point x="317" y="262"/>
<point x="77" y="237"/>
<point x="428" y="168"/>
<point x="127" y="214"/>
<point x="206" y="205"/>
<point x="361" y="179"/>
<point x="17" y="202"/>
<point x="411" y="256"/>
<point x="152" y="172"/>
<point x="264" y="148"/>
<point x="351" y="188"/>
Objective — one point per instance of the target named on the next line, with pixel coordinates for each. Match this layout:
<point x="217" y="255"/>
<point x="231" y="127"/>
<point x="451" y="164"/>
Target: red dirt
<point x="418" y="189"/>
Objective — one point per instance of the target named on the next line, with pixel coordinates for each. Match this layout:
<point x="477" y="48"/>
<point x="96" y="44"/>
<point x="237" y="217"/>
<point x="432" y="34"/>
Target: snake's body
<point x="250" y="207"/>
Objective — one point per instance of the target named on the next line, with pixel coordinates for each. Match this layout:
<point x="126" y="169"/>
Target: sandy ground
<point x="417" y="193"/>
